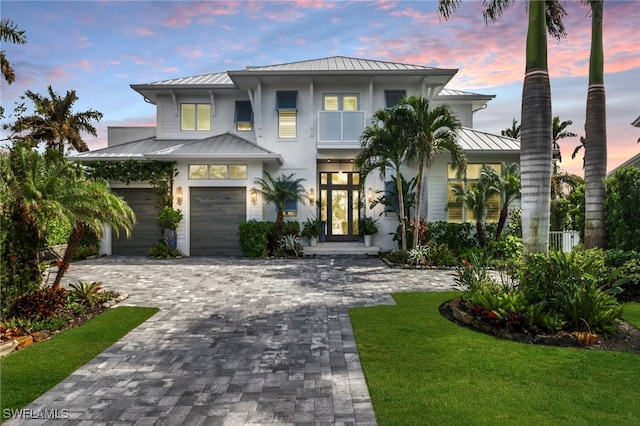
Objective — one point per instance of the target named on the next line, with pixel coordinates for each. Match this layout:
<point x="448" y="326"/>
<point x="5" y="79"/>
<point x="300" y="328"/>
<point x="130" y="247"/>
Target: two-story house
<point x="223" y="130"/>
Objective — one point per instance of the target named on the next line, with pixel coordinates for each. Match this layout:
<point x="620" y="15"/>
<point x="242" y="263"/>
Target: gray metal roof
<point x="134" y="150"/>
<point x="225" y="146"/>
<point x="445" y="93"/>
<point x="340" y="63"/>
<point x="476" y="140"/>
<point x="218" y="79"/>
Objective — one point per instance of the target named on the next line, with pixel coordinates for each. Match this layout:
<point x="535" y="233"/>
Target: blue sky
<point x="99" y="48"/>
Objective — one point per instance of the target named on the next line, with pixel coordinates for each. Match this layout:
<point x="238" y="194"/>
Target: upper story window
<point x="243" y="116"/>
<point x="287" y="107"/>
<point x="340" y="102"/>
<point x="195" y="117"/>
<point x="393" y="97"/>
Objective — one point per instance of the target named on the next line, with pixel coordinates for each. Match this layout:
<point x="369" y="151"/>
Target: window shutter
<point x="244" y="113"/>
<point x="287" y="100"/>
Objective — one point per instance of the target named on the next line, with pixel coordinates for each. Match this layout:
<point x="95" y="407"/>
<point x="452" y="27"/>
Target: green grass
<point x="422" y="369"/>
<point x="27" y="374"/>
<point x="632" y="313"/>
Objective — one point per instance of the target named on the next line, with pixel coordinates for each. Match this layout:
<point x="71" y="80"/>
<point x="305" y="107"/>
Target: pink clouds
<point x="145" y="31"/>
<point x="185" y="13"/>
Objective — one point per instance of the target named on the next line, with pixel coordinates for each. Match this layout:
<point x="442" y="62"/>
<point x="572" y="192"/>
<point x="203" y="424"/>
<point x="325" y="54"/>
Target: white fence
<point x="563" y="240"/>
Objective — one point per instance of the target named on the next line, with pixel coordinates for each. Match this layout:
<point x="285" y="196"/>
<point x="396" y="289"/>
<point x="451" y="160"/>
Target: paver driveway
<point x="235" y="342"/>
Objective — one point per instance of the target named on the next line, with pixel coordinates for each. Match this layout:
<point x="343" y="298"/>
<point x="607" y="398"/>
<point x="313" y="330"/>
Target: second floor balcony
<point x="340" y="126"/>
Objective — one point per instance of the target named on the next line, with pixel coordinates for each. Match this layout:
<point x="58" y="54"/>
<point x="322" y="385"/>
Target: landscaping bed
<point x="41" y="314"/>
<point x="625" y="339"/>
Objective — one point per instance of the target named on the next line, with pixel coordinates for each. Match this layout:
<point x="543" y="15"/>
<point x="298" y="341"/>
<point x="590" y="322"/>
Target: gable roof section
<point x="221" y="147"/>
<point x="339" y="63"/>
<point x="472" y="140"/>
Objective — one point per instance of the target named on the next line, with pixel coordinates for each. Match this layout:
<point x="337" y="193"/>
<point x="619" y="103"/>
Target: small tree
<point x="280" y="191"/>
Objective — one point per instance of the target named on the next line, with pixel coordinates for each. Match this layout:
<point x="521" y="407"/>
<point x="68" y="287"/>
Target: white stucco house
<point x="225" y="129"/>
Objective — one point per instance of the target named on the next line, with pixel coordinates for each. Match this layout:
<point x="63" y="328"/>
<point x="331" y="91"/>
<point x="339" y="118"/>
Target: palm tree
<point x="54" y="122"/>
<point x="9" y="33"/>
<point x="536" y="137"/>
<point x="559" y="132"/>
<point x="280" y="191"/>
<point x="430" y="131"/>
<point x="512" y="132"/>
<point x="37" y="187"/>
<point x="578" y="148"/>
<point x="384" y="146"/>
<point x="595" y="153"/>
<point x="89" y="205"/>
<point x="507" y="184"/>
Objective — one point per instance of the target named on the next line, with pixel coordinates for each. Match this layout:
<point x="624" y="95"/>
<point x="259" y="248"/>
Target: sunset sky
<point x="99" y="48"/>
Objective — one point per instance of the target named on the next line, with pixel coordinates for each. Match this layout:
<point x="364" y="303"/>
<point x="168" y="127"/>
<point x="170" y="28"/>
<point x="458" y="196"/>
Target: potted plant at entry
<point x="367" y="227"/>
<point x="311" y="229"/>
<point x="169" y="218"/>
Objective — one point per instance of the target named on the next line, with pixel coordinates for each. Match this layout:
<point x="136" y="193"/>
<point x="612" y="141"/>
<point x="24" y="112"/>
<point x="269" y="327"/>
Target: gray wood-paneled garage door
<point x="146" y="232"/>
<point x="215" y="216"/>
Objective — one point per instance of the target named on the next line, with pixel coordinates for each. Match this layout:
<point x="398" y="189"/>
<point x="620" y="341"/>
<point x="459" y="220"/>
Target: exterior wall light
<point x="312" y="195"/>
<point x="369" y="195"/>
<point x="254" y="196"/>
<point x="179" y="196"/>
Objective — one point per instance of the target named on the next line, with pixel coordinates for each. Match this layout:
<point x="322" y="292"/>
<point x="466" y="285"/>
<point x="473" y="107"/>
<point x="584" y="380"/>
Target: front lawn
<point x="423" y="369"/>
<point x="27" y="374"/>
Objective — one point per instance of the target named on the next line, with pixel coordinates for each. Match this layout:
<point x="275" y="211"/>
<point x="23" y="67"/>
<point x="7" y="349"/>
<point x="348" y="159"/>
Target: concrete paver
<point x="236" y="342"/>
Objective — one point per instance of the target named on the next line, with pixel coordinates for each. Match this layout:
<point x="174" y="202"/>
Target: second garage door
<point x="215" y="216"/>
<point x="146" y="232"/>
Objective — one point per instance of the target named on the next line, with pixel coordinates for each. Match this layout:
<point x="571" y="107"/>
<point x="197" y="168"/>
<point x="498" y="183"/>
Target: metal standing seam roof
<point x="476" y="140"/>
<point x="224" y="146"/>
<point x="451" y="92"/>
<point x="340" y="63"/>
<point x="217" y="79"/>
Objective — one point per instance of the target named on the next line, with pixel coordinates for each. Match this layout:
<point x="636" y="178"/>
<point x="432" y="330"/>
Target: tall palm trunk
<point x="595" y="155"/>
<point x="72" y="246"/>
<point x="403" y="222"/>
<point x="536" y="136"/>
<point x="416" y="225"/>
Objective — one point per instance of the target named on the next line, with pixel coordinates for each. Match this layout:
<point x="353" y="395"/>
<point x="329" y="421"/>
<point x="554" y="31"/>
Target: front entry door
<point x="339" y="195"/>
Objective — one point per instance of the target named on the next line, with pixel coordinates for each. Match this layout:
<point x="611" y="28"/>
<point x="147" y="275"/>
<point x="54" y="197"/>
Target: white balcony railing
<point x="340" y="126"/>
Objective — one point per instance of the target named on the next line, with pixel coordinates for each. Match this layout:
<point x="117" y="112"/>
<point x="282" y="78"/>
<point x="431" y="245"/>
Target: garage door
<point x="215" y="216"/>
<point x="146" y="232"/>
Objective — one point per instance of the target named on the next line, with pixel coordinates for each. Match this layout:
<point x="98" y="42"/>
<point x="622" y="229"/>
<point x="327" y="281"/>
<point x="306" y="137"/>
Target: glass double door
<point x="339" y="198"/>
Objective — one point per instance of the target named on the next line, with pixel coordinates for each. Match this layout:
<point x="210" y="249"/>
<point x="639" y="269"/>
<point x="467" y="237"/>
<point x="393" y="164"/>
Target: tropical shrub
<point x="289" y="245"/>
<point x="432" y="254"/>
<point x="311" y="228"/>
<point x="162" y="250"/>
<point x="85" y="293"/>
<point x="622" y="205"/>
<point x="254" y="237"/>
<point x="457" y="236"/>
<point x="367" y="226"/>
<point x="39" y="304"/>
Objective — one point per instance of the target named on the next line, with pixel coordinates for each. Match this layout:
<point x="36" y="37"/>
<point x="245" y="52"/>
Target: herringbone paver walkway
<point x="236" y="342"/>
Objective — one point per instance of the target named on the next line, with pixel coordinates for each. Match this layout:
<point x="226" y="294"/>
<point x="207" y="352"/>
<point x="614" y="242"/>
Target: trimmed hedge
<point x="254" y="238"/>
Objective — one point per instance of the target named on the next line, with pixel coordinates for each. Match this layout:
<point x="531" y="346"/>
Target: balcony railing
<point x="340" y="126"/>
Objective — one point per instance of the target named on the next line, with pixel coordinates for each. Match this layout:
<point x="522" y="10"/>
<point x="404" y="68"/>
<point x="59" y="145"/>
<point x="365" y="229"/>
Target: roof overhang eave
<point x="276" y="158"/>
